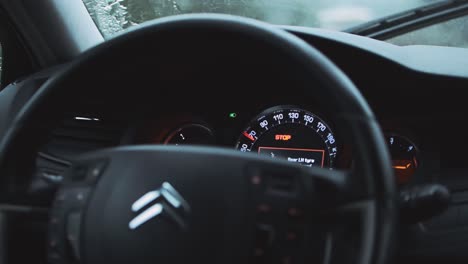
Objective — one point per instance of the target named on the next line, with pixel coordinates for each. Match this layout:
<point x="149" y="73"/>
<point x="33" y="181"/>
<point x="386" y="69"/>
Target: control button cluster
<point x="279" y="202"/>
<point x="64" y="224"/>
<point x="66" y="215"/>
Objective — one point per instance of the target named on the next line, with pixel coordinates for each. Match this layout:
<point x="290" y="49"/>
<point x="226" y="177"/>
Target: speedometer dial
<point x="292" y="134"/>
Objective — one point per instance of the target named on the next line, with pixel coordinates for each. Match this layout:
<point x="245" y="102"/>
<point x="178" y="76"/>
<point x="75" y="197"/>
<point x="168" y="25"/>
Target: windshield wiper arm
<point x="411" y="20"/>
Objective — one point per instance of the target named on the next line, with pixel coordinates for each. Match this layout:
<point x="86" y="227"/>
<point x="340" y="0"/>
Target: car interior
<point x="221" y="137"/>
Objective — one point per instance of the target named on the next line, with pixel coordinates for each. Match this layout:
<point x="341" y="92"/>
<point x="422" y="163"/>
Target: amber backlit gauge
<point x="404" y="157"/>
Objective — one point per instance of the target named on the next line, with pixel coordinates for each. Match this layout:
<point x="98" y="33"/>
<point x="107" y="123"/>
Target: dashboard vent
<point x="75" y="135"/>
<point x="87" y="132"/>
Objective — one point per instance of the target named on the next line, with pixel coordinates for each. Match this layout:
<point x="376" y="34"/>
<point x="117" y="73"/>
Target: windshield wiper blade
<point x="411" y="20"/>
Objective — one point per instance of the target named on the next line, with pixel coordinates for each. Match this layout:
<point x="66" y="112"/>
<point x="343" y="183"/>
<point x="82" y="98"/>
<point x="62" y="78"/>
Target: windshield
<point x="113" y="16"/>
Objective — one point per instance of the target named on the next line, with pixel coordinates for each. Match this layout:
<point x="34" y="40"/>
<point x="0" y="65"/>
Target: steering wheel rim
<point x="372" y="159"/>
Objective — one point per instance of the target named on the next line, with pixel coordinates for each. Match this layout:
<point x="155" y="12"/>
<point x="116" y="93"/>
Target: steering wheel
<point x="174" y="204"/>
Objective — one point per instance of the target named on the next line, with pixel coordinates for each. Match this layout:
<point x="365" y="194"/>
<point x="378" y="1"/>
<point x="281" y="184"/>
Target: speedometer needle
<point x="247" y="135"/>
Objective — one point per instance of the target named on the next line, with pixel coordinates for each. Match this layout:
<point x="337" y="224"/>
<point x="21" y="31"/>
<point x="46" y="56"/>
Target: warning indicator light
<point x="283" y="137"/>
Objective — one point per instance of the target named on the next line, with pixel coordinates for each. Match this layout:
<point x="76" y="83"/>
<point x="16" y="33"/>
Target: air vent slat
<point x="90" y="131"/>
<point x="85" y="135"/>
<point x="77" y="134"/>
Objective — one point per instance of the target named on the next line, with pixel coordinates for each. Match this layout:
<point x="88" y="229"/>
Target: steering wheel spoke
<point x="276" y="209"/>
<point x="291" y="226"/>
<point x="67" y="211"/>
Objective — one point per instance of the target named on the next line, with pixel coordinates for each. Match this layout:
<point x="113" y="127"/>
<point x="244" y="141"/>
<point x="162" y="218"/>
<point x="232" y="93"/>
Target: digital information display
<point x="306" y="157"/>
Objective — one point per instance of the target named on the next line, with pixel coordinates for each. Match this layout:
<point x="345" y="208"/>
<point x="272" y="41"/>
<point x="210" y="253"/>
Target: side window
<point x="1" y="64"/>
<point x="452" y="33"/>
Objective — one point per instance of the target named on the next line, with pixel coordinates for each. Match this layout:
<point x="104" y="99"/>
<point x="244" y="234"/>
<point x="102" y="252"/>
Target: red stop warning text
<point x="283" y="137"/>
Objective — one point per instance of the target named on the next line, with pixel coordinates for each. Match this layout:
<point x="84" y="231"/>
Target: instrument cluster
<point x="286" y="132"/>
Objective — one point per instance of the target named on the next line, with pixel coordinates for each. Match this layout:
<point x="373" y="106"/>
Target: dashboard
<point x="417" y="94"/>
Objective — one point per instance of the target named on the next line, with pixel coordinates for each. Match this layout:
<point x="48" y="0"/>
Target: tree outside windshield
<point x="113" y="16"/>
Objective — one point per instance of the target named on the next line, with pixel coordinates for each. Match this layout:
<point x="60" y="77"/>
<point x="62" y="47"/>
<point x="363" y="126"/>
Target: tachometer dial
<point x="404" y="157"/>
<point x="292" y="134"/>
<point x="194" y="134"/>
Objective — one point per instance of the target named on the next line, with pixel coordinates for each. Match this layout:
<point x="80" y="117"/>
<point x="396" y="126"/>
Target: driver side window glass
<point x="1" y="64"/>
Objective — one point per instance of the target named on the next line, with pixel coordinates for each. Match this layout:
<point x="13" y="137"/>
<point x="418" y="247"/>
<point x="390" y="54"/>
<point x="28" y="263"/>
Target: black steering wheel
<point x="147" y="204"/>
